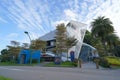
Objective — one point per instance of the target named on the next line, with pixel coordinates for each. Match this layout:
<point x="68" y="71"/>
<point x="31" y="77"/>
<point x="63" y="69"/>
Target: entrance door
<point x="23" y="57"/>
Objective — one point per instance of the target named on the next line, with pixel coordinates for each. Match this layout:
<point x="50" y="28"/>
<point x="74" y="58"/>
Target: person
<point x="72" y="56"/>
<point x="95" y="54"/>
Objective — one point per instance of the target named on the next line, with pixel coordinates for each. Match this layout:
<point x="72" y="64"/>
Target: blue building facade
<point x="25" y="55"/>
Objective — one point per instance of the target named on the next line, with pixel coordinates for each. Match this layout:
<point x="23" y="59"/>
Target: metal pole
<point x="29" y="48"/>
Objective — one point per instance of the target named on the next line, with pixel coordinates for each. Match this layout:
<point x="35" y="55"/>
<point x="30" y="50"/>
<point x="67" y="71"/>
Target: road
<point x="58" y="73"/>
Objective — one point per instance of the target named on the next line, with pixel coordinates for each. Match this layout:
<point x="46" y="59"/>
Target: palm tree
<point x="101" y="27"/>
<point x="88" y="38"/>
<point x="112" y="41"/>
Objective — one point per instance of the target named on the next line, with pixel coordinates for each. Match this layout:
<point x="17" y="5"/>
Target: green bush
<point x="104" y="63"/>
<point x="113" y="61"/>
<point x="34" y="61"/>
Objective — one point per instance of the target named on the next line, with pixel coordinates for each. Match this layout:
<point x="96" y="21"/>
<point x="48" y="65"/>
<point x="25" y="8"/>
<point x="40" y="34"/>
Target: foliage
<point x="14" y="52"/>
<point x="60" y="39"/>
<point x="4" y="51"/>
<point x="88" y="38"/>
<point x="110" y="61"/>
<point x="117" y="50"/>
<point x="5" y="58"/>
<point x="101" y="27"/>
<point x="104" y="63"/>
<point x="15" y="43"/>
<point x="70" y="41"/>
<point x="114" y="61"/>
<point x="103" y="32"/>
<point x="11" y="53"/>
<point x="38" y="45"/>
<point x="4" y="78"/>
<point x="25" y="45"/>
<point x="63" y="42"/>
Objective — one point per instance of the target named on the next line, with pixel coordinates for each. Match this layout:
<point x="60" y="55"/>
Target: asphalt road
<point x="58" y="73"/>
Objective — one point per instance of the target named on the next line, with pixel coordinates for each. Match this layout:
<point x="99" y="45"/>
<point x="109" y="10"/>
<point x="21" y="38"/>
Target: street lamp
<point x="29" y="48"/>
<point x="28" y="35"/>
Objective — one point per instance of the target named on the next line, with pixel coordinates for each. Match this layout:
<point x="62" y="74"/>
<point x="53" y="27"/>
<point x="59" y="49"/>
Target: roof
<point x="49" y="36"/>
<point x="52" y="34"/>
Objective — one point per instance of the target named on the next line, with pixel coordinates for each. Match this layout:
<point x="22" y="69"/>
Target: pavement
<point x="87" y="72"/>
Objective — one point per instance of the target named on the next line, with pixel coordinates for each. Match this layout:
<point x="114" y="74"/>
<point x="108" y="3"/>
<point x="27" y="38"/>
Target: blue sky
<point x="41" y="16"/>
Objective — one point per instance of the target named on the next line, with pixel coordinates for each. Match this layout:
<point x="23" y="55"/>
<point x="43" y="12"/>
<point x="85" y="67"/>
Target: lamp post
<point x="29" y="48"/>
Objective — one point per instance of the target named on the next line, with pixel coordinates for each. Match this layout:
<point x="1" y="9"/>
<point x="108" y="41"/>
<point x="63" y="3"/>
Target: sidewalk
<point x="90" y="65"/>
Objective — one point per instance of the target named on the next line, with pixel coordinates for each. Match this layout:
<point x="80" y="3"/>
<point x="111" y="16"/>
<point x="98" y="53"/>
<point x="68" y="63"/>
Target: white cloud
<point x="12" y="35"/>
<point x="2" y="20"/>
<point x="109" y="9"/>
<point x="29" y="15"/>
<point x="42" y="16"/>
<point x="59" y="22"/>
<point x="70" y="14"/>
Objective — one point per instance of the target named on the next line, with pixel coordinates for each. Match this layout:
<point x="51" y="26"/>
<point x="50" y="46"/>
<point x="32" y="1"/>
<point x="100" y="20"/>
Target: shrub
<point x="114" y="61"/>
<point x="104" y="63"/>
<point x="34" y="61"/>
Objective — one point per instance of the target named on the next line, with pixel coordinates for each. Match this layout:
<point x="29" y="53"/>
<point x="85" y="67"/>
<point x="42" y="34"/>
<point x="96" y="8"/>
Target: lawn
<point x="5" y="78"/>
<point x="14" y="64"/>
<point x="63" y="64"/>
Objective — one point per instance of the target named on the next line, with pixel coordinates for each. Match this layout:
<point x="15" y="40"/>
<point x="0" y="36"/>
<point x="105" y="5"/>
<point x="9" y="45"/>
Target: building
<point x="76" y="29"/>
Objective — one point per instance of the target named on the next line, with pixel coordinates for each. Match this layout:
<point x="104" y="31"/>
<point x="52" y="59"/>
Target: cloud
<point x="109" y="9"/>
<point x="59" y="22"/>
<point x="40" y="17"/>
<point x="29" y="15"/>
<point x="2" y="20"/>
<point x="70" y="14"/>
<point x="11" y="35"/>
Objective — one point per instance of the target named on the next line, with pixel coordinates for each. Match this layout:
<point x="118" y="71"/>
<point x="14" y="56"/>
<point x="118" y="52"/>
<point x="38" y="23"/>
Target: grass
<point x="5" y="78"/>
<point x="14" y="64"/>
<point x="63" y="64"/>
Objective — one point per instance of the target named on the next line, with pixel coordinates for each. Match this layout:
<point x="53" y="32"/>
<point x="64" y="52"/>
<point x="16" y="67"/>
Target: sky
<point x="39" y="17"/>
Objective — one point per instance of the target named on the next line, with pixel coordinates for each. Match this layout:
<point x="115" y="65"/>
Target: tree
<point x="70" y="42"/>
<point x="88" y="37"/>
<point x="15" y="43"/>
<point x="5" y="56"/>
<point x="60" y="39"/>
<point x="112" y="41"/>
<point x="96" y="42"/>
<point x="25" y="46"/>
<point x="4" y="51"/>
<point x="38" y="45"/>
<point x="117" y="50"/>
<point x="101" y="27"/>
<point x="14" y="50"/>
